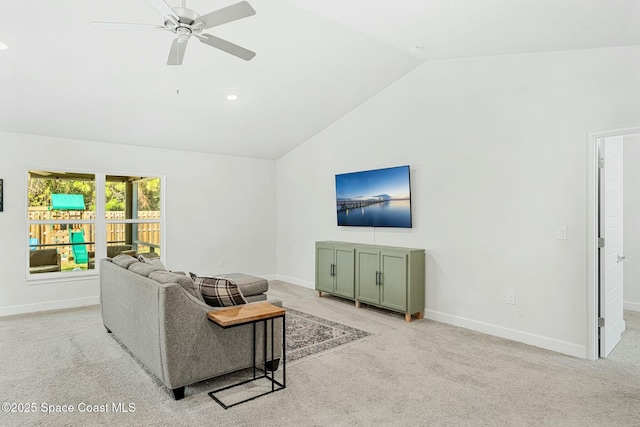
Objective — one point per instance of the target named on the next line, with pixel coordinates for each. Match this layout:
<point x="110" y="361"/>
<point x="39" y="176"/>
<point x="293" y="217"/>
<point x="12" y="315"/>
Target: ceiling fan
<point x="186" y="23"/>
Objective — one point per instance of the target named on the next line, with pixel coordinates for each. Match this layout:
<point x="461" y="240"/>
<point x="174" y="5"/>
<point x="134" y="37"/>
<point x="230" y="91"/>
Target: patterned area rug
<point x="308" y="335"/>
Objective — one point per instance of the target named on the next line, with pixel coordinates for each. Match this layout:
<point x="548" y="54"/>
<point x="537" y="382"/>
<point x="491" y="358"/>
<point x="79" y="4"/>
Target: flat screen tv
<point x="374" y="198"/>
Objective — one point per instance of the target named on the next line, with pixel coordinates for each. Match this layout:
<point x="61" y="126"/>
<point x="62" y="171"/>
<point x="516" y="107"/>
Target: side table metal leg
<point x="273" y="372"/>
<point x="254" y="351"/>
<point x="264" y="347"/>
<point x="284" y="353"/>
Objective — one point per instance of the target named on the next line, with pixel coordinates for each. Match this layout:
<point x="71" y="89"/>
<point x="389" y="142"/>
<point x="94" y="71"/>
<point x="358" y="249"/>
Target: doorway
<point x="606" y="257"/>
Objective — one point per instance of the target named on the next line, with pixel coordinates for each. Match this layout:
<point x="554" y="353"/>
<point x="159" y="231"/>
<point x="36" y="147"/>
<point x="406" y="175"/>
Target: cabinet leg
<point x="407" y="317"/>
<point x="357" y="304"/>
<point x="319" y="294"/>
<point x="420" y="315"/>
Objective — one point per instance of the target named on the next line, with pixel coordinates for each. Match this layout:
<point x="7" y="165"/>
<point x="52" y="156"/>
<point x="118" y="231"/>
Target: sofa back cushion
<point x="123" y="261"/>
<point x="155" y="270"/>
<point x="144" y="269"/>
<point x="151" y="261"/>
<point x="163" y="276"/>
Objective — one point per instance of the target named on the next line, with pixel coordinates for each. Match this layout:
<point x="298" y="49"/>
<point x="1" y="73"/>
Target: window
<point x="132" y="213"/>
<point x="74" y="218"/>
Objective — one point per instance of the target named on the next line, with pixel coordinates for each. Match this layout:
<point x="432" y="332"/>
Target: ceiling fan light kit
<point x="185" y="23"/>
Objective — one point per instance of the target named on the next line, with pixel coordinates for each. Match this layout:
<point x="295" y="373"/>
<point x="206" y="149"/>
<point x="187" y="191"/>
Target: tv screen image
<point x="374" y="198"/>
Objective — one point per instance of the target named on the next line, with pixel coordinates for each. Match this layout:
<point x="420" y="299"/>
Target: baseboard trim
<point x="547" y="343"/>
<point x="564" y="347"/>
<point x="294" y="281"/>
<point x="631" y="306"/>
<point x="49" y="305"/>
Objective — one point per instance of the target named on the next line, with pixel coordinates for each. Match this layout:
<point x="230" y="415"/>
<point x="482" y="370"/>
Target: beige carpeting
<point x="421" y="373"/>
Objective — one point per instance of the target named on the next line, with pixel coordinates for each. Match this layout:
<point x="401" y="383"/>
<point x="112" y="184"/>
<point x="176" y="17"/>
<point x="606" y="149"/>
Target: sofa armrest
<point x="194" y="348"/>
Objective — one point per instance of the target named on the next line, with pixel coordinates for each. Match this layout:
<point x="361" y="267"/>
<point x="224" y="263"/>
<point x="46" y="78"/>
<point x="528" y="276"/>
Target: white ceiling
<point x="316" y="60"/>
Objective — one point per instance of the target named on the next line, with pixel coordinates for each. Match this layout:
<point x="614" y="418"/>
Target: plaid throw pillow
<point x="218" y="292"/>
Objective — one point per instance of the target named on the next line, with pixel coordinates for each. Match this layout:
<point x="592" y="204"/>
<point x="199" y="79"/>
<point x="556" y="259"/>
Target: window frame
<point x="99" y="223"/>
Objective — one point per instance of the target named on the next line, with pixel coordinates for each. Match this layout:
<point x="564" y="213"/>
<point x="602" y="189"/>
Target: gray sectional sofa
<point x="165" y="326"/>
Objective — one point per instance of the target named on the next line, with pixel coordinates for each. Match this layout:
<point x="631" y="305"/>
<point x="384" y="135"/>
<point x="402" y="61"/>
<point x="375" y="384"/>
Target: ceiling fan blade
<point x="127" y="26"/>
<point x="226" y="46"/>
<point x="176" y="54"/>
<point x="227" y="14"/>
<point x="164" y="9"/>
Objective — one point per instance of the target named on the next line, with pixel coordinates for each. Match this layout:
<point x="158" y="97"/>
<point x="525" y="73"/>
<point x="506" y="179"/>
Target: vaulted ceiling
<point x="316" y="60"/>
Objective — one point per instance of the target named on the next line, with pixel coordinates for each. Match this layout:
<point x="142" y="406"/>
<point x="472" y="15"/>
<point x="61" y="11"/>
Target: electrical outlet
<point x="561" y="232"/>
<point x="221" y="262"/>
<point x="511" y="298"/>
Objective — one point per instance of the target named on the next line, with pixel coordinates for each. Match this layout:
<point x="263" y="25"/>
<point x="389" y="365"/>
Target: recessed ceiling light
<point x="3" y="46"/>
<point x="232" y="97"/>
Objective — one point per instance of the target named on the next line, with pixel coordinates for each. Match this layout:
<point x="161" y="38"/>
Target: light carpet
<point x="421" y="373"/>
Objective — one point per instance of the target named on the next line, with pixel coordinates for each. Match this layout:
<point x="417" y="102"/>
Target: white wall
<point x="498" y="154"/>
<point x="632" y="222"/>
<point x="216" y="207"/>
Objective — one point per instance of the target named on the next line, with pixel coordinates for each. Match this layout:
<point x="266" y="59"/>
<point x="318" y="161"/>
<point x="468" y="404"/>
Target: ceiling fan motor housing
<point x="185" y="25"/>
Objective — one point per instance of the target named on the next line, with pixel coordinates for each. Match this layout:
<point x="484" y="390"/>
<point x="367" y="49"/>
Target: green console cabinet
<point x="335" y="270"/>
<point x="382" y="276"/>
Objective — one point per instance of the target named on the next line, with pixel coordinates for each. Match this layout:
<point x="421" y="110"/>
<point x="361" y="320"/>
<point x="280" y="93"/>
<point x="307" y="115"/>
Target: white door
<point x="611" y="255"/>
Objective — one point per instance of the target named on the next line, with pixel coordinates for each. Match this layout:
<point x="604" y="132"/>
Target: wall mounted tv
<point x="374" y="198"/>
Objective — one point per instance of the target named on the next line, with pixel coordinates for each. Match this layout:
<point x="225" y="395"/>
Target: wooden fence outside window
<point x="58" y="234"/>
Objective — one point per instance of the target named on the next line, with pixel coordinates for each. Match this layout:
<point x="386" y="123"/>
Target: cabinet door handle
<point x="377" y="278"/>
<point x="380" y="279"/>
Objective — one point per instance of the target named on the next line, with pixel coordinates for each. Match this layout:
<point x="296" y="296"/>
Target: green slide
<point x="80" y="254"/>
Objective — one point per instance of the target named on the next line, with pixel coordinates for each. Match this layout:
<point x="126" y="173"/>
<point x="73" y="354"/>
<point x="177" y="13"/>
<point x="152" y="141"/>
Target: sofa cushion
<point x="123" y="261"/>
<point x="181" y="279"/>
<point x="249" y="285"/>
<point x="218" y="292"/>
<point x="149" y="255"/>
<point x="144" y="269"/>
<point x="151" y="261"/>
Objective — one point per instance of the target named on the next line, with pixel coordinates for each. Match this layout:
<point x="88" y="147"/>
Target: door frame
<point x="593" y="219"/>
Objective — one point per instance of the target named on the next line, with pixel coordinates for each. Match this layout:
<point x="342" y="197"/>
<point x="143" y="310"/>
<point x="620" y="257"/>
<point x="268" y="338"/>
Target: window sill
<point x="76" y="276"/>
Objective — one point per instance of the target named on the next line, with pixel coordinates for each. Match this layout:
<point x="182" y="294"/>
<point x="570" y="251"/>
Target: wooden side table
<point x="251" y="314"/>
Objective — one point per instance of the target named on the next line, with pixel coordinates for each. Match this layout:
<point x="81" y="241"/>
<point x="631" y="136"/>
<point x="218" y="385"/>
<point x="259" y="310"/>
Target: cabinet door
<point x="344" y="272"/>
<point x="393" y="292"/>
<point x="324" y="262"/>
<point x="366" y="269"/>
